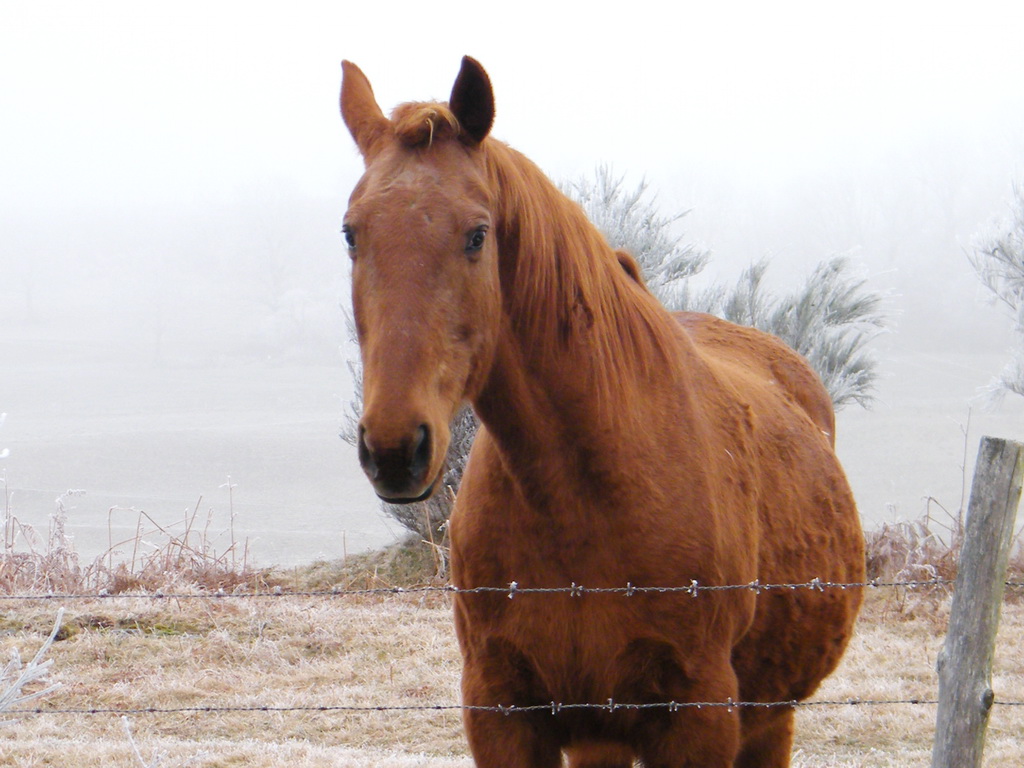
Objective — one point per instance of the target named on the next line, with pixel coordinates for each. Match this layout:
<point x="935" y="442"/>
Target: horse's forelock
<point x="422" y="123"/>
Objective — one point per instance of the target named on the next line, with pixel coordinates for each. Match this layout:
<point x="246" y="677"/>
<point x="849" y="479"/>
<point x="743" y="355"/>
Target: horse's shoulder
<point x="752" y="358"/>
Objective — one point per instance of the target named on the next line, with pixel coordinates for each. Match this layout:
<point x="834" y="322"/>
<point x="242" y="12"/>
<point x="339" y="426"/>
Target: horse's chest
<point x="541" y="648"/>
<point x="562" y="647"/>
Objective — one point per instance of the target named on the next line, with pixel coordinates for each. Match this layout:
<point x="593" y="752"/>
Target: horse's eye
<point x="350" y="238"/>
<point x="476" y="240"/>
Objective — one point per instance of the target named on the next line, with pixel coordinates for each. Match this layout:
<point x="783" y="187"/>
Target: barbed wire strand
<point x="553" y="708"/>
<point x="694" y="588"/>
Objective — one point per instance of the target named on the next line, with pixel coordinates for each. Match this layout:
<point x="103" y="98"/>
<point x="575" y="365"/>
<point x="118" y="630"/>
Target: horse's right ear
<point x="359" y="109"/>
<point x="472" y="101"/>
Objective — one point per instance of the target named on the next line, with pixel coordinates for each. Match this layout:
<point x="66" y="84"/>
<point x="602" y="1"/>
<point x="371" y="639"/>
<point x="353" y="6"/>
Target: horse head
<point x="425" y="289"/>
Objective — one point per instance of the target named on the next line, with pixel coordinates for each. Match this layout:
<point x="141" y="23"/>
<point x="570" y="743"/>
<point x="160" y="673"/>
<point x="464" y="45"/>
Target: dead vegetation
<point x="155" y="558"/>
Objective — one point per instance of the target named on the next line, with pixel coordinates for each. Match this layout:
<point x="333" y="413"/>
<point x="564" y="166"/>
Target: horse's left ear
<point x="472" y="101"/>
<point x="359" y="109"/>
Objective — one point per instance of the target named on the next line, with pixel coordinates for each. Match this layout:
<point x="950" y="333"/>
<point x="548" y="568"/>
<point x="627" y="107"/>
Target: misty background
<point x="172" y="182"/>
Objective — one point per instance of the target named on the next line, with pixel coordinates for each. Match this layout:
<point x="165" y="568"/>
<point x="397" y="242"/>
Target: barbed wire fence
<point x="512" y="591"/>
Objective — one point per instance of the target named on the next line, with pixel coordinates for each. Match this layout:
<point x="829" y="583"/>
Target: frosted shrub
<point x="631" y="221"/>
<point x="998" y="258"/>
<point x="16" y="676"/>
<point x="830" y="319"/>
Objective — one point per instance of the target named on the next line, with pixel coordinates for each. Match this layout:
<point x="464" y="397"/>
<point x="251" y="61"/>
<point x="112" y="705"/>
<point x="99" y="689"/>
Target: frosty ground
<point x="135" y="653"/>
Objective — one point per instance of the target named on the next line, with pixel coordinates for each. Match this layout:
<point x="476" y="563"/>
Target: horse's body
<point x="619" y="445"/>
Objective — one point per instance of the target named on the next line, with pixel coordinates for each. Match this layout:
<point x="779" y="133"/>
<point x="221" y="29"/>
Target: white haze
<point x="172" y="179"/>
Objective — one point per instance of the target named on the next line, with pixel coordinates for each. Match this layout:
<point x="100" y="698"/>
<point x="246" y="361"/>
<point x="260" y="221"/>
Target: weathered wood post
<point x="965" y="661"/>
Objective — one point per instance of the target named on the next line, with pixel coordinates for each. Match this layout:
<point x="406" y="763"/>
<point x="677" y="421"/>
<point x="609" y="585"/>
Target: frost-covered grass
<point x="130" y="653"/>
<point x="134" y="653"/>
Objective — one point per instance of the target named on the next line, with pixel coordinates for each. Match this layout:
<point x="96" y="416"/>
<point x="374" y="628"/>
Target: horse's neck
<point x="567" y="431"/>
<point x="569" y="394"/>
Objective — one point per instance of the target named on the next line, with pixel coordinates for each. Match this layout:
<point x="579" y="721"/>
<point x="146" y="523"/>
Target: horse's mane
<point x="566" y="278"/>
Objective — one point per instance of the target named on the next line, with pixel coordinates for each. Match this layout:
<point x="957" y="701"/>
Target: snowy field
<point x="138" y="437"/>
<point x="910" y="446"/>
<point x="164" y="439"/>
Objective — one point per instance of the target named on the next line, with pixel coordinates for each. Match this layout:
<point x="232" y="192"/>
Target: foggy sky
<point x="889" y="130"/>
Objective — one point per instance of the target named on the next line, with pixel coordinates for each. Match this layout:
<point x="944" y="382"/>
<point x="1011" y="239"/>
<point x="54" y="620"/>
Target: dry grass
<point x="408" y="563"/>
<point x="132" y="653"/>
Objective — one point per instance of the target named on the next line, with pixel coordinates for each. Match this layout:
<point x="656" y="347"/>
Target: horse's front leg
<point x="706" y="737"/>
<point x="500" y="677"/>
<point x="691" y="736"/>
<point x="516" y="740"/>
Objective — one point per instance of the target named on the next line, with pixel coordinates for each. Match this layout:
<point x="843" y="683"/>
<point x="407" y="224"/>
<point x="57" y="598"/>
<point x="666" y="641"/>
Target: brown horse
<point x="619" y="445"/>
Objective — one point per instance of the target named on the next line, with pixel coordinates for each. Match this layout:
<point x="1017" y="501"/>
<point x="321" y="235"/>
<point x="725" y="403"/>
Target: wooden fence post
<point x="965" y="661"/>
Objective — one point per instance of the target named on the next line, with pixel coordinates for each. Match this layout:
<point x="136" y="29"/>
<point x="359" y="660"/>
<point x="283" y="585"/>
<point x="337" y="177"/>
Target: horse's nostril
<point x="366" y="457"/>
<point x="420" y="460"/>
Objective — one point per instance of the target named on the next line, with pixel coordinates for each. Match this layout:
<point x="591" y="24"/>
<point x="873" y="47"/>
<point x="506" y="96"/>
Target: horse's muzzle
<point x="399" y="472"/>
